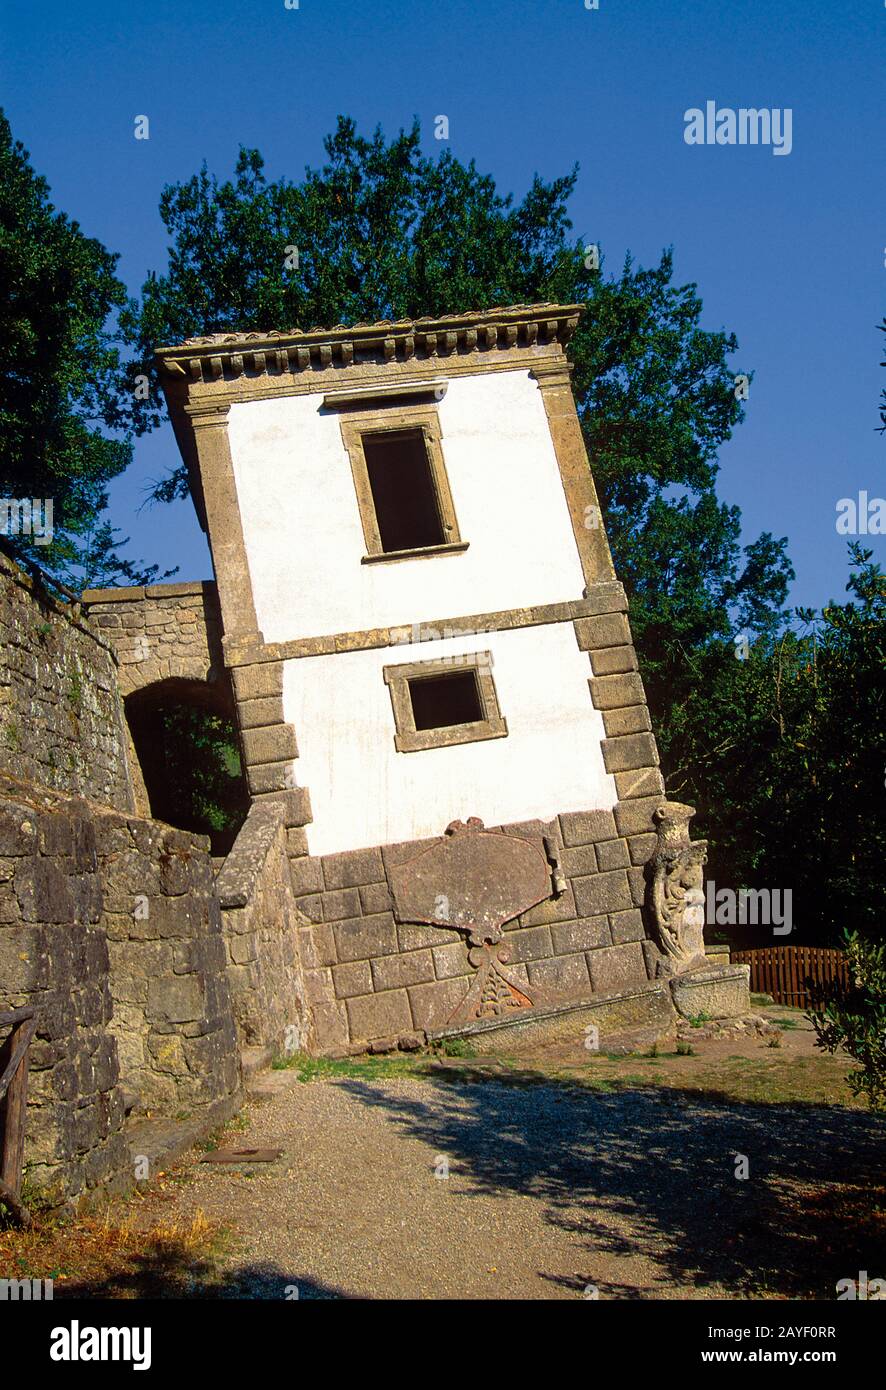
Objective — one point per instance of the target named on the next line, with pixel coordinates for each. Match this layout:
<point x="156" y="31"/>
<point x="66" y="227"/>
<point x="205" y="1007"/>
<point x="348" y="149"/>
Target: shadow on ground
<point x="653" y="1172"/>
<point x="177" y="1275"/>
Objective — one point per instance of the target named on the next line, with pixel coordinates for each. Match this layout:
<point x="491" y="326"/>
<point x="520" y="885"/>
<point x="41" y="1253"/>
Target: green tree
<point x="786" y="752"/>
<point x="62" y="384"/>
<point x="193" y="772"/>
<point x="382" y="231"/>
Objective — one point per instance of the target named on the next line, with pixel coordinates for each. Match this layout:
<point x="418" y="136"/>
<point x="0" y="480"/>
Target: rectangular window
<point x="402" y="488"/>
<point x="440" y="703"/>
<point x="401" y="484"/>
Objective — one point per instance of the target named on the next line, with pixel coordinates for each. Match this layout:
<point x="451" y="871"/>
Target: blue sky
<point x="788" y="252"/>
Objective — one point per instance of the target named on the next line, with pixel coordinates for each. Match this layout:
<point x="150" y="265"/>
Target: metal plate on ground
<point x="242" y="1156"/>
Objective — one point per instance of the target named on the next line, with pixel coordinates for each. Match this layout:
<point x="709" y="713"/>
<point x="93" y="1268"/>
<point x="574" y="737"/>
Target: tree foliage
<point x="62" y="383"/>
<point x="198" y="776"/>
<point x="383" y="231"/>
<point x="855" y="1019"/>
<point x="785" y="752"/>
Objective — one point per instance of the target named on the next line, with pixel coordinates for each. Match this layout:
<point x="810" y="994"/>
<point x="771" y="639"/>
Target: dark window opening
<point x="403" y="492"/>
<point x="441" y="701"/>
<point x="185" y="738"/>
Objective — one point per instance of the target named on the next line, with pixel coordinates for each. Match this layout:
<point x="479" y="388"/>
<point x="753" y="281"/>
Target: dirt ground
<point x="739" y="1170"/>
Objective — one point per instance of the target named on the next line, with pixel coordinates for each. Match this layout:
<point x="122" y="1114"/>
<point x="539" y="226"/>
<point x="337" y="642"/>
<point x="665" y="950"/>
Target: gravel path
<point x="551" y="1192"/>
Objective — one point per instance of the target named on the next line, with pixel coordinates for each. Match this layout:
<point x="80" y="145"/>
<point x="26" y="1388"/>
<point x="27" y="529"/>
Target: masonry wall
<point x="109" y="928"/>
<point x="54" y="956"/>
<point x="172" y="1015"/>
<point x="261" y="930"/>
<point x="371" y="977"/>
<point x="61" y="718"/>
<point x="160" y="632"/>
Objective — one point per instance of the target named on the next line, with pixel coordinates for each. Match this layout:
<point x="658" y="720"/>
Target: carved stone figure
<point x="676" y="890"/>
<point x="476" y="880"/>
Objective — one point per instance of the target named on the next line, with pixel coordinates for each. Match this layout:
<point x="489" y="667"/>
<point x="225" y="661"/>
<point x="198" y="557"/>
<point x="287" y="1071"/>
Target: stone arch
<point x="179" y="776"/>
<point x="161" y="632"/>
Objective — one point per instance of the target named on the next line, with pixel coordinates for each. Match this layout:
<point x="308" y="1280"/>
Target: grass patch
<point x="370" y="1068"/>
<point x="456" y="1047"/>
<point x="116" y="1253"/>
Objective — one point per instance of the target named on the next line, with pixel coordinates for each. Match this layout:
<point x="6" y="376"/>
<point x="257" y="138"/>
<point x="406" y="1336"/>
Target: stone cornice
<point x="228" y="356"/>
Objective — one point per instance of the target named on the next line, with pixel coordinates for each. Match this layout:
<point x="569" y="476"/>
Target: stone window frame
<point x="388" y="421"/>
<point x="408" y="739"/>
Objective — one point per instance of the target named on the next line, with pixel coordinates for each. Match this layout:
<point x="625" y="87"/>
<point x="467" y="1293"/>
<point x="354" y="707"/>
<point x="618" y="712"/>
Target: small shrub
<point x="855" y="1018"/>
<point x="75" y="691"/>
<point x="457" y="1047"/>
<point x="699" y="1020"/>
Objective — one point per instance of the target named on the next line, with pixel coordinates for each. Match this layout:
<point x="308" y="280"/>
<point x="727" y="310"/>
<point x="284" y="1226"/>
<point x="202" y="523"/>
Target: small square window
<point x="440" y="703"/>
<point x="402" y="489"/>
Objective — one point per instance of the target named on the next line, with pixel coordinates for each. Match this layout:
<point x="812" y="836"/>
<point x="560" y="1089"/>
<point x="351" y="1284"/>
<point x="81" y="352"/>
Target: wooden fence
<point x="785" y="971"/>
<point x="13" y="1107"/>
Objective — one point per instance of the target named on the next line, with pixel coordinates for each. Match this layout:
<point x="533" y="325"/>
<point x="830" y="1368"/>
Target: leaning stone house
<point x="457" y="821"/>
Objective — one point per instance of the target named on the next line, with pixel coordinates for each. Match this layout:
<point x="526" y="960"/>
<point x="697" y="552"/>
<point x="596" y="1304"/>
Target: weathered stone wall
<point x="261" y="926"/>
<point x="370" y="977"/>
<point x="61" y="718"/>
<point x="172" y="1017"/>
<point x="161" y="632"/>
<point x="110" y="928"/>
<point x="54" y="956"/>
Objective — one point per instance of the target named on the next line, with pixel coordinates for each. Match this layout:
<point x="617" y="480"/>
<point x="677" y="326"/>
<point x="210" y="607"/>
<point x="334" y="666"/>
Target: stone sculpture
<point x="676" y="890"/>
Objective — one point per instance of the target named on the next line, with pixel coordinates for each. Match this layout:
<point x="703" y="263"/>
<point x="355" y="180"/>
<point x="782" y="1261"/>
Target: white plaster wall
<point x="304" y="540"/>
<point x="363" y="792"/>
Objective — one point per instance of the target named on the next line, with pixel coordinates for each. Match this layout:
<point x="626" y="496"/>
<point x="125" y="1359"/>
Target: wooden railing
<point x="13" y="1107"/>
<point x="786" y="972"/>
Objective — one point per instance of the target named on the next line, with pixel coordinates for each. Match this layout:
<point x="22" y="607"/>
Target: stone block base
<point x="720" y="991"/>
<point x="648" y="1007"/>
<point x="370" y="977"/>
